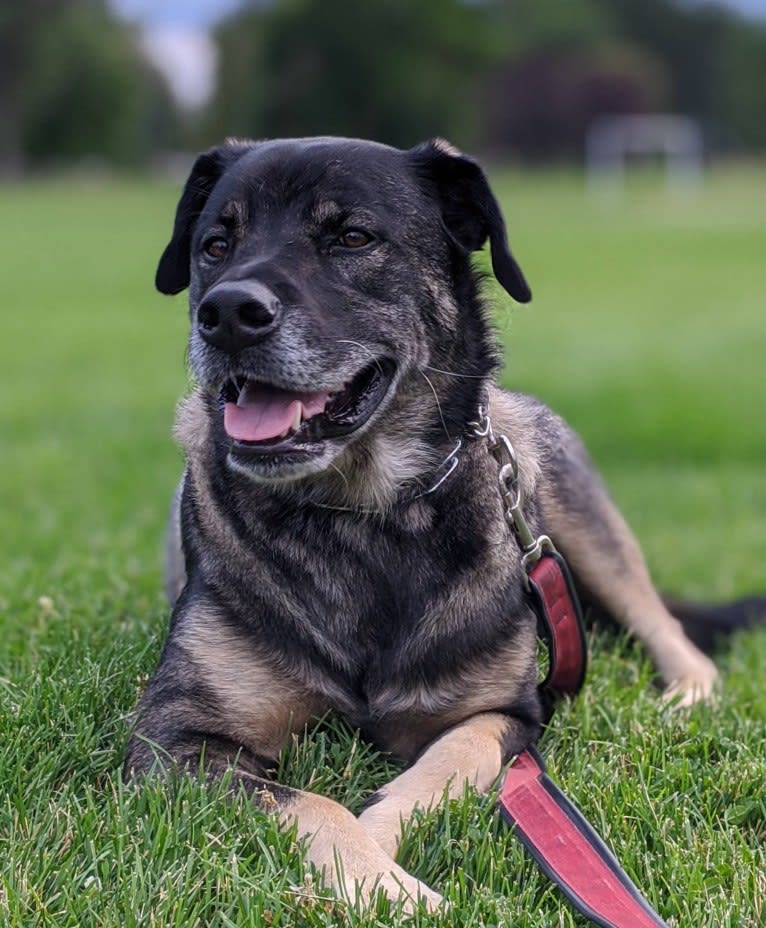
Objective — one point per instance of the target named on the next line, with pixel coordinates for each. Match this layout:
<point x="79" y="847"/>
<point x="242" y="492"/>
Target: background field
<point x="647" y="332"/>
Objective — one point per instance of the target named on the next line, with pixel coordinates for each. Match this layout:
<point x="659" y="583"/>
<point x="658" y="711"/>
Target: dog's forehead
<point x="328" y="174"/>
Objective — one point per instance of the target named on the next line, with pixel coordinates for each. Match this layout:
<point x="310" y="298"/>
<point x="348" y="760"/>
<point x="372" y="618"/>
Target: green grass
<point x="647" y="331"/>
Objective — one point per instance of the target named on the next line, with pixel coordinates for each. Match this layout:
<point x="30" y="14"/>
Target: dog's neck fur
<point x="375" y="476"/>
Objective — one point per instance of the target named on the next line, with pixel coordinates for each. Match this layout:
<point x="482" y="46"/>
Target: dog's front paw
<point x="689" y="675"/>
<point x="698" y="684"/>
<point x="350" y="860"/>
<point x="402" y="887"/>
<point x="358" y="880"/>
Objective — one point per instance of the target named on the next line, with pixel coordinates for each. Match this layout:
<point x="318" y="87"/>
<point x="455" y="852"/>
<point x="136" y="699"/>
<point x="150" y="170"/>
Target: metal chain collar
<point x="509" y="485"/>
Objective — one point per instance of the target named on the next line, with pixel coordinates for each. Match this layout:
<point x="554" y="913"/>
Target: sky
<point x="201" y="13"/>
<point x="177" y="39"/>
<point x="189" y="14"/>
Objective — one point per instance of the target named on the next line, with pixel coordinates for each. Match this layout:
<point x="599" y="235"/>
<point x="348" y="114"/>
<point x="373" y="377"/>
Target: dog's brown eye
<point x="216" y="247"/>
<point x="354" y="238"/>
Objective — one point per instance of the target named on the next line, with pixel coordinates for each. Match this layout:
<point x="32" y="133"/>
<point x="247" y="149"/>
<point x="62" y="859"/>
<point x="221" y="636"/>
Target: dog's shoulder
<point x="533" y="429"/>
<point x="549" y="451"/>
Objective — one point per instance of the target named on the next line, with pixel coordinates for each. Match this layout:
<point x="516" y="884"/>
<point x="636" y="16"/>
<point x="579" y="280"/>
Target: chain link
<point x="509" y="485"/>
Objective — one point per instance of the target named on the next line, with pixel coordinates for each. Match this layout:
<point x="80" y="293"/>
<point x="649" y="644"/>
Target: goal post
<point x="610" y="140"/>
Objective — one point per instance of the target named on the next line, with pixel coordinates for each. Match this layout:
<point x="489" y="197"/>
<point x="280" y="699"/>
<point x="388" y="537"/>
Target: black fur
<point x="336" y="565"/>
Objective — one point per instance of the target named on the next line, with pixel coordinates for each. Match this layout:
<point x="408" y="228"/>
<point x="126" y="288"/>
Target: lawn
<point x="647" y="332"/>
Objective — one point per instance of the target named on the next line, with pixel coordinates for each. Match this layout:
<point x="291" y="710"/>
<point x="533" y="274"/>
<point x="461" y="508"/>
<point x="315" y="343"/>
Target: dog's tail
<point x="707" y="626"/>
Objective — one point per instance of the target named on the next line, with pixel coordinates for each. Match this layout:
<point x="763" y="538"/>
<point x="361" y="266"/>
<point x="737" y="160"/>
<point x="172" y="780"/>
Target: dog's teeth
<point x="297" y="416"/>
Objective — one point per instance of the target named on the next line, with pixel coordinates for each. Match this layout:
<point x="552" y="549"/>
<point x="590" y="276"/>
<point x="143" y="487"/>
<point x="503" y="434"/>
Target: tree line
<point x="74" y="85"/>
<point x="520" y="78"/>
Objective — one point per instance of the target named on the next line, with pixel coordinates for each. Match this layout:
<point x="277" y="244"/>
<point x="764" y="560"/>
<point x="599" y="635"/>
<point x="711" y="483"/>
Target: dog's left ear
<point x="470" y="212"/>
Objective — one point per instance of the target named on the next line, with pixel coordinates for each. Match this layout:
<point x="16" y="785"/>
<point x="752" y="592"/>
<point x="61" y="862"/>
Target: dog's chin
<point x="284" y="467"/>
<point x="322" y="425"/>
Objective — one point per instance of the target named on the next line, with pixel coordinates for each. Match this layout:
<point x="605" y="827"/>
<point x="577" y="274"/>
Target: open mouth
<point x="262" y="419"/>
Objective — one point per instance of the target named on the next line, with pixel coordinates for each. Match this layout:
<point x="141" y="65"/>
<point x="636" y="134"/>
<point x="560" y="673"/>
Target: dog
<point x="338" y="542"/>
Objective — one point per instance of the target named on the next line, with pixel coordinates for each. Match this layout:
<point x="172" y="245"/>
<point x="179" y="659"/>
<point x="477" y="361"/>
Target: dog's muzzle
<point x="266" y="421"/>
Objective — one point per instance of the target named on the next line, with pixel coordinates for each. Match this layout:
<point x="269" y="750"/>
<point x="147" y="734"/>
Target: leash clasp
<point x="532" y="546"/>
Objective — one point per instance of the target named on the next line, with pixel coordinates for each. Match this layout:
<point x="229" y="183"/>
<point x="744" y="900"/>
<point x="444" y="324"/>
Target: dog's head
<point x="330" y="289"/>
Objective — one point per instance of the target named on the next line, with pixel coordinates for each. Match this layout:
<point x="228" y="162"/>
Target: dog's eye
<point x="216" y="247"/>
<point x="354" y="238"/>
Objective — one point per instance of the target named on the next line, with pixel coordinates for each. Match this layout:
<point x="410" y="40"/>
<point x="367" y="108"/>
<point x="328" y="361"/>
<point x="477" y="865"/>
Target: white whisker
<point x="340" y="473"/>
<point x="375" y="358"/>
<point x="438" y="404"/>
<point x="437" y="370"/>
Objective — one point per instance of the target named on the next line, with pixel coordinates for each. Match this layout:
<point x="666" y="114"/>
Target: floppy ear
<point x="470" y="212"/>
<point x="173" y="270"/>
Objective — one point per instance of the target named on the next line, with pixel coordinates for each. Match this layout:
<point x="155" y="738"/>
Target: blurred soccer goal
<point x="612" y="140"/>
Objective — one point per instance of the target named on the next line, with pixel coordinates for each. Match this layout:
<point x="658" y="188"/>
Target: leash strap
<point x="561" y="624"/>
<point x="553" y="830"/>
<point x="568" y="850"/>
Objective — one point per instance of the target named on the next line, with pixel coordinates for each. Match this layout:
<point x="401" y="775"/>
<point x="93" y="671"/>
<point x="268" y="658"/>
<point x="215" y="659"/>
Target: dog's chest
<point x="417" y="623"/>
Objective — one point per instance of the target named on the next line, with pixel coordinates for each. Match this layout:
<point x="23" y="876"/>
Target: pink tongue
<point x="264" y="412"/>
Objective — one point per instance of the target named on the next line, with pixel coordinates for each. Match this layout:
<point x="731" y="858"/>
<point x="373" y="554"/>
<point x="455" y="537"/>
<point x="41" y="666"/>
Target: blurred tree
<point x="521" y="27"/>
<point x="741" y="93"/>
<point x="716" y="62"/>
<point x="558" y="67"/>
<point x="19" y="26"/>
<point x="541" y="108"/>
<point x="524" y="76"/>
<point x="396" y="71"/>
<point x="75" y="85"/>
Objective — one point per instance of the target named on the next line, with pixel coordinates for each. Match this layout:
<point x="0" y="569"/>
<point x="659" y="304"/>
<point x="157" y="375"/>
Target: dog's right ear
<point x="173" y="272"/>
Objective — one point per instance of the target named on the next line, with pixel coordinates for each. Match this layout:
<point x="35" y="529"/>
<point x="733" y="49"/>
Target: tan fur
<point x="454" y="700"/>
<point x="190" y="428"/>
<point x="618" y="576"/>
<point x="263" y="707"/>
<point x="447" y="148"/>
<point x="689" y="675"/>
<point x="340" y="847"/>
<point x="468" y="755"/>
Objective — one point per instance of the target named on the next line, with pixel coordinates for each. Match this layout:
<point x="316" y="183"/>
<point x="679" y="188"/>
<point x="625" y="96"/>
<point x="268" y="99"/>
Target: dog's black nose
<point x="235" y="315"/>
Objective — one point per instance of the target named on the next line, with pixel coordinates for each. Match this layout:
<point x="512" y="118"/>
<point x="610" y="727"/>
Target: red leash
<point x="568" y="850"/>
<point x="553" y="830"/>
<point x="560" y="621"/>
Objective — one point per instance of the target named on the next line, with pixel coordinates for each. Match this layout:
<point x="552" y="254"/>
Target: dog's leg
<point x="688" y="674"/>
<point x="175" y="569"/>
<point x="216" y="704"/>
<point x="470" y="754"/>
<point x="337" y="844"/>
<point x="607" y="561"/>
<point x="347" y="854"/>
